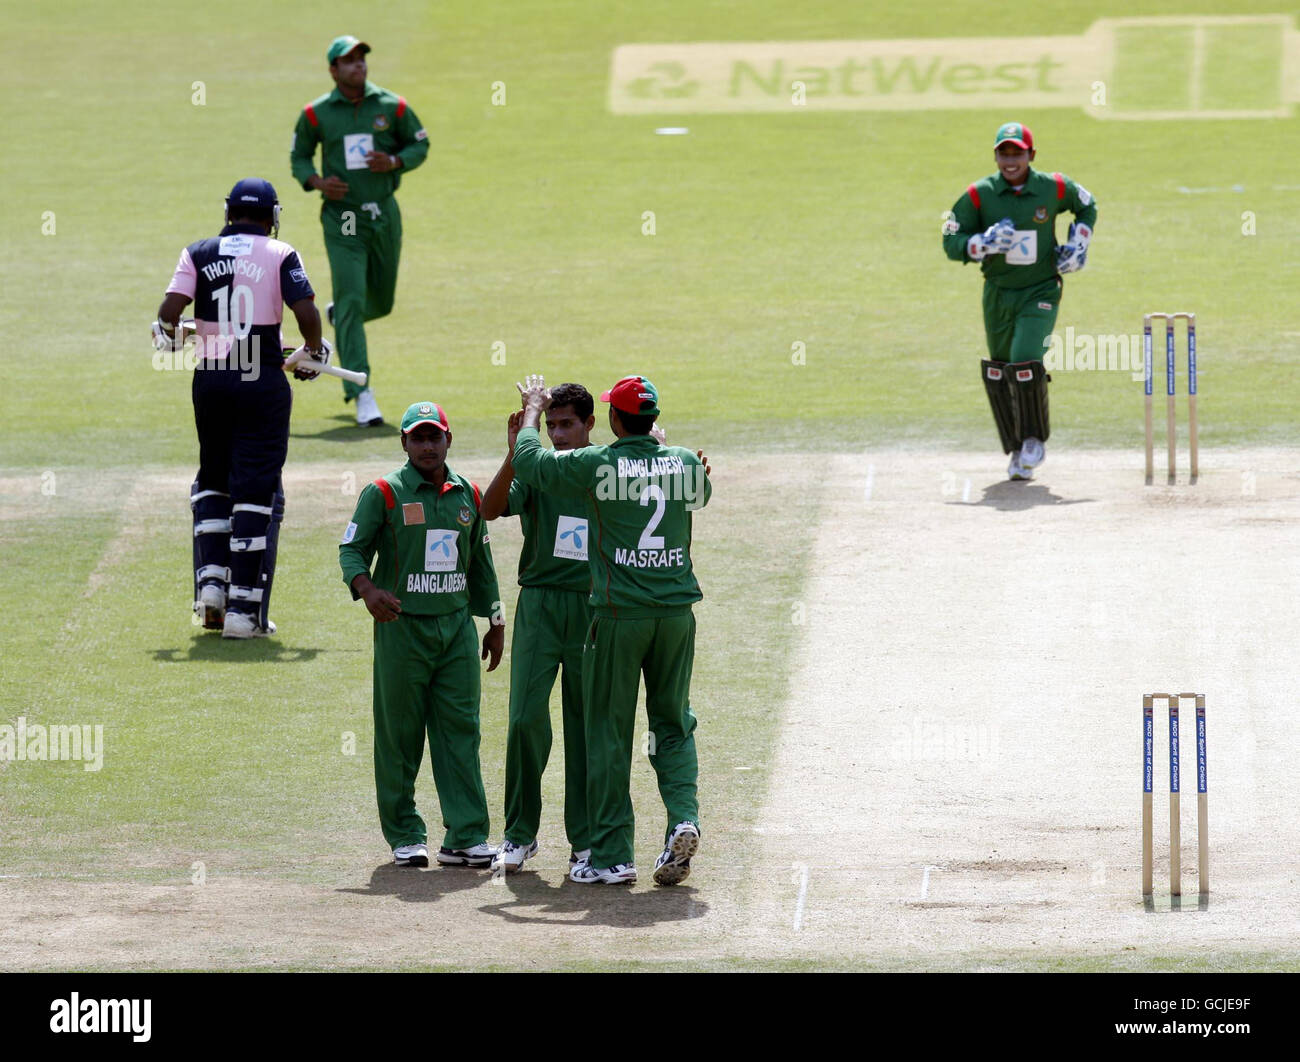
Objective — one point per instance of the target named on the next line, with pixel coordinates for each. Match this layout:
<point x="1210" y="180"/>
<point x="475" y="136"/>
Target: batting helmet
<point x="254" y="196"/>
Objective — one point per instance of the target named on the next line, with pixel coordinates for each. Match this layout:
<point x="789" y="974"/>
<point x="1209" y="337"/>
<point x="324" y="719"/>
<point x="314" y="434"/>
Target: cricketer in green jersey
<point x="368" y="137"/>
<point x="550" y="629"/>
<point x="639" y="497"/>
<point x="433" y="573"/>
<point x="1007" y="223"/>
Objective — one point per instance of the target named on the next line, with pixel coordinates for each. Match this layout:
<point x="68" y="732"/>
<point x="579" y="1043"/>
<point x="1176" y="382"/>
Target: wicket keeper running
<point x="369" y="137"/>
<point x="433" y="574"/>
<point x="639" y="498"/>
<point x="551" y="621"/>
<point x="238" y="281"/>
<point x="1007" y="223"/>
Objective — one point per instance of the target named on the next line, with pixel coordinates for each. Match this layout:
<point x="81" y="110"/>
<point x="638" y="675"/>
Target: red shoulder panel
<point x="401" y="106"/>
<point x="310" y="112"/>
<point x="390" y="499"/>
<point x="974" y="196"/>
<point x="1060" y="186"/>
<point x="478" y="496"/>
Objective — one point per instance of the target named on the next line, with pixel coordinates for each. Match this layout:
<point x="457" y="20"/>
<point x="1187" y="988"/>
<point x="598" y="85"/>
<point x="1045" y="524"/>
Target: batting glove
<point x="167" y="338"/>
<point x="305" y="357"/>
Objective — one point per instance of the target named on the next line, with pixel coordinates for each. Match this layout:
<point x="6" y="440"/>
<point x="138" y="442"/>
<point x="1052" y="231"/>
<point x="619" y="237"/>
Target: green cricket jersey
<point x="639" y="497"/>
<point x="432" y="544"/>
<point x="1033" y="209"/>
<point x="554" y="553"/>
<point x="379" y="121"/>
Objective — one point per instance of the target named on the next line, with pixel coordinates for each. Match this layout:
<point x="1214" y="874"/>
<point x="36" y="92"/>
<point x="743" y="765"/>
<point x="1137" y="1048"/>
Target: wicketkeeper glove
<point x="996" y="239"/>
<point x="1071" y="256"/>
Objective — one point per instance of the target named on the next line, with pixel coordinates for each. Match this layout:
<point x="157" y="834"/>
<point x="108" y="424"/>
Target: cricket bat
<point x="300" y="356"/>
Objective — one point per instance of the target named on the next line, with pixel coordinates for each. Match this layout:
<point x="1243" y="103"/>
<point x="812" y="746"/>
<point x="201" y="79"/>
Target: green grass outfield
<point x="524" y="228"/>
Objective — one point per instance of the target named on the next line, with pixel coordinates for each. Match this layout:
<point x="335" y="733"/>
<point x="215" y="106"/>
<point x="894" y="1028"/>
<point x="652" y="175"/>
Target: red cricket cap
<point x="633" y="394"/>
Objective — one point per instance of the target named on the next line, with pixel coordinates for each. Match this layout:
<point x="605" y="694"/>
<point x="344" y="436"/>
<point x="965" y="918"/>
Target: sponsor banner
<point x="1210" y="67"/>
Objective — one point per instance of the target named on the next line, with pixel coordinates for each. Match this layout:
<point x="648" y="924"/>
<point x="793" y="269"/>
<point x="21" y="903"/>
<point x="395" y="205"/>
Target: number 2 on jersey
<point x="648" y="540"/>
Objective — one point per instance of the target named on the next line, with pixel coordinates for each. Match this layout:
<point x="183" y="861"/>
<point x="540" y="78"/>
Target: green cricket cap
<point x="1014" y="133"/>
<point x="341" y="46"/>
<point x="424" y="413"/>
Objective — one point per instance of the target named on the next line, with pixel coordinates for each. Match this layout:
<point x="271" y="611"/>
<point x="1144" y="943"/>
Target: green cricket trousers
<point x="1018" y="322"/>
<point x="363" y="253"/>
<point x="618" y="652"/>
<point x="426" y="682"/>
<point x="550" y="627"/>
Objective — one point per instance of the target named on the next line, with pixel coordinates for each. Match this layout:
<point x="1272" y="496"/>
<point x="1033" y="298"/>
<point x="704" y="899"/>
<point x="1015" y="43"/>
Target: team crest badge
<point x="381" y="123"/>
<point x="464" y="517"/>
<point x="1040" y="215"/>
<point x="425" y="410"/>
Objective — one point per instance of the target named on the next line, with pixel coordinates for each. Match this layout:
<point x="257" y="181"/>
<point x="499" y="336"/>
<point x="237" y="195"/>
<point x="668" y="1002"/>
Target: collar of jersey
<point x="249" y="228"/>
<point x="337" y="97"/>
<point x="1001" y="186"/>
<point x="413" y="481"/>
<point x="633" y="440"/>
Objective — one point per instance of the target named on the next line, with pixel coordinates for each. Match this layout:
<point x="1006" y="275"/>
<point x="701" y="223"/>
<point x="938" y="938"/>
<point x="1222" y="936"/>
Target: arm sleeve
<point x="414" y="140"/>
<point x="517" y="500"/>
<point x="361" y="537"/>
<point x="185" y="279"/>
<point x="699" y="489"/>
<point x="484" y="594"/>
<point x="1081" y="203"/>
<point x="966" y="215"/>
<point x="554" y="473"/>
<point x="302" y="153"/>
<point x="294" y="284"/>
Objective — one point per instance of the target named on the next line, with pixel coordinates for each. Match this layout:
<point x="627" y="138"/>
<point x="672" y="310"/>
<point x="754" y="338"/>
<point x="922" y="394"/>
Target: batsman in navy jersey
<point x="239" y="282"/>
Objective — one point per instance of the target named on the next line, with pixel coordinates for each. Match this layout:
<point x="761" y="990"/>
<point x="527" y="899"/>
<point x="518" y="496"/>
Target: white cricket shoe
<point x="511" y="857"/>
<point x="674" y="864"/>
<point x="1032" y="453"/>
<point x="478" y="856"/>
<point x="1016" y="470"/>
<point x="368" y="415"/>
<point x="211" y="606"/>
<point x="579" y="857"/>
<point x="619" y="874"/>
<point x="244" y="625"/>
<point x="411" y="855"/>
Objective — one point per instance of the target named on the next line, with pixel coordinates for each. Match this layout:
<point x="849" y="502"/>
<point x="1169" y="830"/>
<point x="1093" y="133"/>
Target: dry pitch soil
<point x="957" y="778"/>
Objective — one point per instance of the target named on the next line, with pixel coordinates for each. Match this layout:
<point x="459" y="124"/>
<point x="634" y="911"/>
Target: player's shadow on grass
<point x="421" y="886"/>
<point x="347" y="429"/>
<point x="528" y="899"/>
<point x="1017" y="495"/>
<point x="210" y="647"/>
